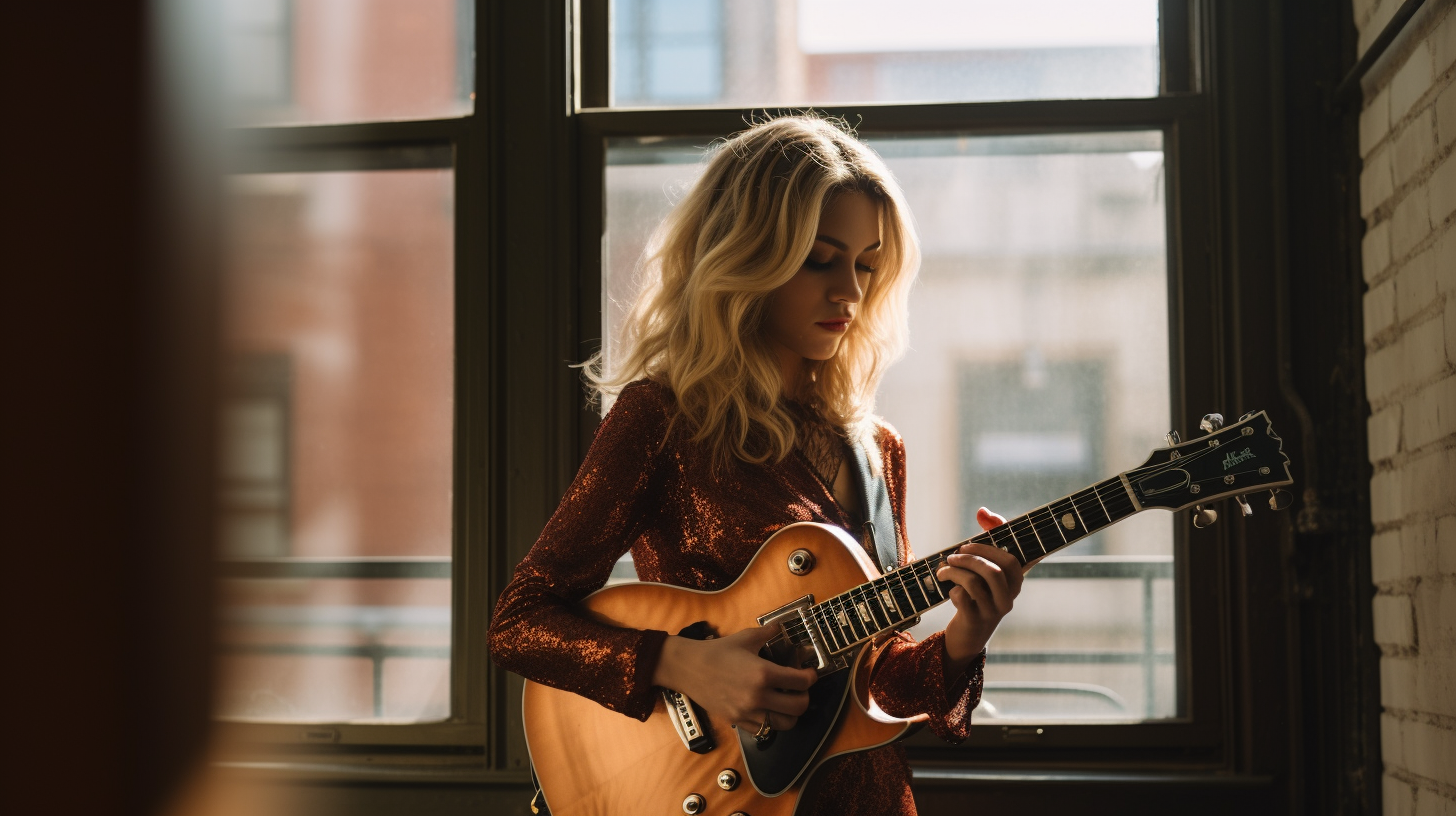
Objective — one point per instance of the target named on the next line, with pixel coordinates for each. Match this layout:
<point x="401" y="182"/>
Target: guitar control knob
<point x="694" y="804"/>
<point x="728" y="779"/>
<point x="1211" y="422"/>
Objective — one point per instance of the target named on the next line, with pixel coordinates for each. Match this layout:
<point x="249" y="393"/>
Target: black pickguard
<point x="775" y="764"/>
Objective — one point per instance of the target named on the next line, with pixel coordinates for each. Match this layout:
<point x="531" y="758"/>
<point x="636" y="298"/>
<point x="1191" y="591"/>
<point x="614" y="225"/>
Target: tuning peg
<point x="1279" y="499"/>
<point x="1204" y="517"/>
<point x="1247" y="414"/>
<point x="1211" y="422"/>
<point x="1171" y="437"/>
<point x="1244" y="503"/>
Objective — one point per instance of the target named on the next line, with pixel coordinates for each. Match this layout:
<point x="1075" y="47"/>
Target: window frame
<point x="456" y="747"/>
<point x="528" y="165"/>
<point x="1182" y="113"/>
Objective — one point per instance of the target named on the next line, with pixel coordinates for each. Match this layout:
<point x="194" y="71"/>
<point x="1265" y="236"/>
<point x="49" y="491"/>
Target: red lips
<point x="836" y="325"/>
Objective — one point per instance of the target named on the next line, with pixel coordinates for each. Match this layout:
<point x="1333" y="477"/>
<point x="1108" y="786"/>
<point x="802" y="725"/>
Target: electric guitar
<point x="831" y="602"/>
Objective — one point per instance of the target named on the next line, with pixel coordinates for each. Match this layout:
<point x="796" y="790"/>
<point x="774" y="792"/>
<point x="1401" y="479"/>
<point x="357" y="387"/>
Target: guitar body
<point x="595" y="762"/>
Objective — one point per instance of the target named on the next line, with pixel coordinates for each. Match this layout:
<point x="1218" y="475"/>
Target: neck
<point x="853" y="617"/>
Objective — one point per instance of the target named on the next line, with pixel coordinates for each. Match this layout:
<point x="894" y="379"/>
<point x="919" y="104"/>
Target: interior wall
<point x="1408" y="201"/>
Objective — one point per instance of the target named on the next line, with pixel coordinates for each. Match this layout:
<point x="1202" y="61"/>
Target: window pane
<point x="335" y="650"/>
<point x="329" y="61"/>
<point x="753" y="53"/>
<point x="337" y="424"/>
<point x="1038" y="366"/>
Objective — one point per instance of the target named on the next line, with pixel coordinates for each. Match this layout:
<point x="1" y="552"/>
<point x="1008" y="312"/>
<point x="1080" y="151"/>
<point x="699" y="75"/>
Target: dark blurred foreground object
<point x="108" y="260"/>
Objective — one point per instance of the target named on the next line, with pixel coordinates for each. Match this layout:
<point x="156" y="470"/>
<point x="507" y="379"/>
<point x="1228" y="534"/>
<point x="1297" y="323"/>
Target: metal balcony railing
<point x="372" y="621"/>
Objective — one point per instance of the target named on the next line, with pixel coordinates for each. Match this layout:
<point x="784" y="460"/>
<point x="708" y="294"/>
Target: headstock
<point x="1229" y="461"/>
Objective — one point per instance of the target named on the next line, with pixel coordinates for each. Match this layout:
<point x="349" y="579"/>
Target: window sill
<point x="924" y="774"/>
<point x="365" y="771"/>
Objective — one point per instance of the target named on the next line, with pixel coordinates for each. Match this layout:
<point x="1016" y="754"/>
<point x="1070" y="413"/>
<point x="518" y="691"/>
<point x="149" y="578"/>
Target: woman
<point x="770" y="309"/>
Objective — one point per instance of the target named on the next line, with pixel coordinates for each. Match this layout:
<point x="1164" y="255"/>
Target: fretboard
<point x="852" y="617"/>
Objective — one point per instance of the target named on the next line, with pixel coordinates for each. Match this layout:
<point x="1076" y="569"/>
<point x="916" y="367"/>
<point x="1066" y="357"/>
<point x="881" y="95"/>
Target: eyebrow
<point x="838" y="243"/>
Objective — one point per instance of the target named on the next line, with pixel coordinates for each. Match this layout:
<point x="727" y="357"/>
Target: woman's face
<point x="809" y="315"/>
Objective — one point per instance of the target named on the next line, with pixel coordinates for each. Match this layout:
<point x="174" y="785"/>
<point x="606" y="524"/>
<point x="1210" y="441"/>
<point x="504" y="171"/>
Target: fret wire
<point x="1097" y="491"/>
<point x="1060" y="514"/>
<point x="1019" y="554"/>
<point x="844" y="624"/>
<point x="1012" y="528"/>
<point x="872" y="600"/>
<point x="909" y="598"/>
<point x="1056" y="525"/>
<point x="856" y="605"/>
<point x="917" y="574"/>
<point x="930" y="567"/>
<point x="1054" y="510"/>
<point x="905" y="591"/>
<point x="1072" y="500"/>
<point x="1041" y="518"/>
<point x="1085" y="506"/>
<point x="877" y="591"/>
<point x="919" y="587"/>
<point x="898" y="602"/>
<point x="824" y="630"/>
<point x="844" y="613"/>
<point x="1036" y="534"/>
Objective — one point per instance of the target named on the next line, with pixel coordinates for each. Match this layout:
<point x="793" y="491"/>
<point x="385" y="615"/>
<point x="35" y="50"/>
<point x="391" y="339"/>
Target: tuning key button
<point x="1279" y="499"/>
<point x="1204" y="517"/>
<point x="694" y="804"/>
<point x="728" y="779"/>
<point x="1171" y="437"/>
<point x="1211" y="422"/>
<point x="1244" y="504"/>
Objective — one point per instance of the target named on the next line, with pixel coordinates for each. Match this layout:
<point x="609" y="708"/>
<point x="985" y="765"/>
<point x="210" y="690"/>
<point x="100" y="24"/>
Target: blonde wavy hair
<point x="742" y="231"/>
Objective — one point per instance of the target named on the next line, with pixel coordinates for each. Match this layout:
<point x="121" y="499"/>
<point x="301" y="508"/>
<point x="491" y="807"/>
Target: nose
<point x="845" y="286"/>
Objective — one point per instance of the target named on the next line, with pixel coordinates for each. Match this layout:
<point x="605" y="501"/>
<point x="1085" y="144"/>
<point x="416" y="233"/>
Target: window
<point x="1046" y="352"/>
<point x="739" y="53"/>
<point x="348" y="403"/>
<point x="542" y="197"/>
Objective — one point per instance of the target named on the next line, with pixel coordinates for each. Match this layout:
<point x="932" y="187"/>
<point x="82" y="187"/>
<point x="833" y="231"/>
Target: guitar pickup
<point x="687" y="718"/>
<point x="687" y="721"/>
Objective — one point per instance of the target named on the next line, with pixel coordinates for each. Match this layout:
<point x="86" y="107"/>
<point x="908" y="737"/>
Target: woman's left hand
<point x="987" y="581"/>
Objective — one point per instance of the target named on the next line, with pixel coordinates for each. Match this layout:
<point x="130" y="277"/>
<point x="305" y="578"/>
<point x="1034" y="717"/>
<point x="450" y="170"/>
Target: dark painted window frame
<point x="529" y="202"/>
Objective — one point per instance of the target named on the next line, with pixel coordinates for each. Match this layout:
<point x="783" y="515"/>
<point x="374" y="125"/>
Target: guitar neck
<point x="854" y="617"/>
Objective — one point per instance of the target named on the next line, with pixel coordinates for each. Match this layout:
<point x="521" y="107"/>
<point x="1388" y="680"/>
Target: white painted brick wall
<point x="1408" y="200"/>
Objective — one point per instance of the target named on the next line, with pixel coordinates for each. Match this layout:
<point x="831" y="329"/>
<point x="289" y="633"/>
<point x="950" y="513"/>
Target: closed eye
<point x="824" y="265"/>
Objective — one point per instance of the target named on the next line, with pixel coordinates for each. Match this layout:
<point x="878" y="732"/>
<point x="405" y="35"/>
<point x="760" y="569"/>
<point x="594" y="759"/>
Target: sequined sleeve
<point x="909" y="677"/>
<point x="535" y="631"/>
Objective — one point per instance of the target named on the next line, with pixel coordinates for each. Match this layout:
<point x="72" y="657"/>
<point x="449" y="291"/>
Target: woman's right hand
<point x="728" y="678"/>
